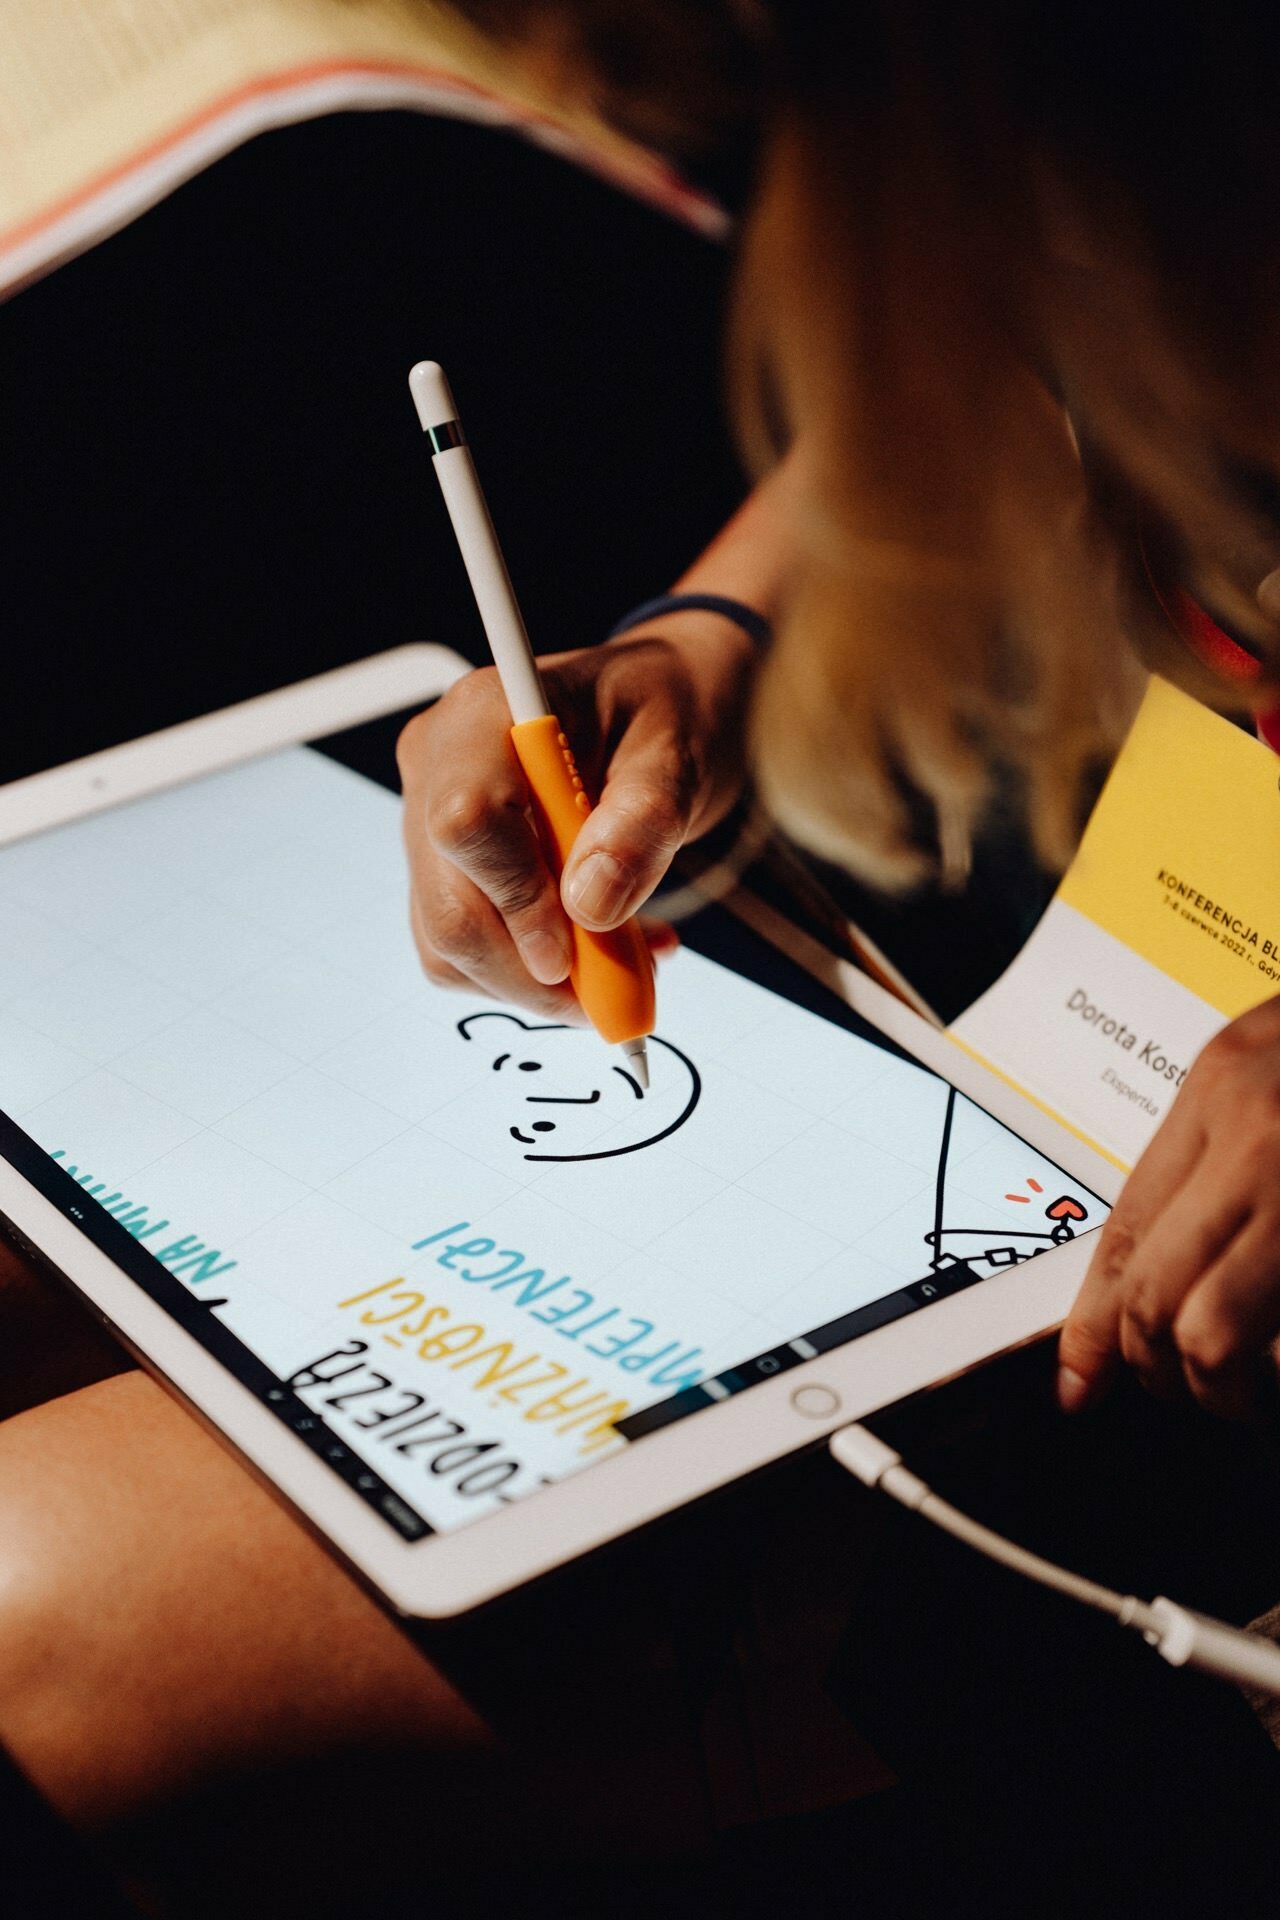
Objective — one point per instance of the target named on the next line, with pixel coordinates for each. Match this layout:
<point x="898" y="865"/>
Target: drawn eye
<point x="531" y="1066"/>
<point x="544" y="1126"/>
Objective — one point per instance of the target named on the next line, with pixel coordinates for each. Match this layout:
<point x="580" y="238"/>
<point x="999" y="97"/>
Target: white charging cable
<point x="1183" y="1638"/>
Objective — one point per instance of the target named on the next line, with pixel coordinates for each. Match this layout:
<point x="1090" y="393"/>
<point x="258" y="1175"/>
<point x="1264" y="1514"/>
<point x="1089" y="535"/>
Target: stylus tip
<point x="637" y="1053"/>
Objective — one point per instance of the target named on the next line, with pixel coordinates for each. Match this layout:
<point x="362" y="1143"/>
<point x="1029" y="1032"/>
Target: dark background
<point x="215" y="482"/>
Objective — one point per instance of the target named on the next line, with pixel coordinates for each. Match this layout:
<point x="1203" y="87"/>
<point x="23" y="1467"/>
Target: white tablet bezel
<point x="449" y="1573"/>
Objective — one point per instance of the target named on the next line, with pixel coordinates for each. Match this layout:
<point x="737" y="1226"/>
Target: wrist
<point x="718" y="659"/>
<point x="722" y="607"/>
<point x="719" y="639"/>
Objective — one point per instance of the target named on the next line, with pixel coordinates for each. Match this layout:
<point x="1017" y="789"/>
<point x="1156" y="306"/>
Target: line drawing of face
<point x="545" y="1120"/>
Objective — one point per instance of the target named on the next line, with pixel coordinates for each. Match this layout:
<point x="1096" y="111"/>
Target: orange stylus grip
<point x="612" y="973"/>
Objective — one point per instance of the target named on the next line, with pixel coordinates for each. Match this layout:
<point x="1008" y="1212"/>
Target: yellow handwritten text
<point x="539" y="1387"/>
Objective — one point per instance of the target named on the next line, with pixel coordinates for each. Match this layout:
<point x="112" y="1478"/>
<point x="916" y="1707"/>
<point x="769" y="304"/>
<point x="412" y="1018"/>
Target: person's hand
<point x="656" y="724"/>
<point x="1185" y="1283"/>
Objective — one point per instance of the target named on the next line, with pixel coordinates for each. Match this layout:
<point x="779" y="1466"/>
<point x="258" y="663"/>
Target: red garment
<point x="1217" y="650"/>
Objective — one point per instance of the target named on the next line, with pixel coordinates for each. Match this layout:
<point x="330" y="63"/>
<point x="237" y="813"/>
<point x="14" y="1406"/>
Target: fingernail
<point x="546" y="957"/>
<point x="599" y="890"/>
<point x="1073" y="1389"/>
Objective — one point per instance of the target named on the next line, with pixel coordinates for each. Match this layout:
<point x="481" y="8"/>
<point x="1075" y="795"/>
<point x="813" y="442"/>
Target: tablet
<point x="464" y="1293"/>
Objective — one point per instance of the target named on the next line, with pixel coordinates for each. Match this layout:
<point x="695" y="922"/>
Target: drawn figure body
<point x="566" y="1100"/>
<point x="987" y="1250"/>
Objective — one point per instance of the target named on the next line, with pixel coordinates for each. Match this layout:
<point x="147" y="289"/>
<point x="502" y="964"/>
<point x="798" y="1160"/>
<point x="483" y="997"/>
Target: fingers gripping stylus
<point x="612" y="973"/>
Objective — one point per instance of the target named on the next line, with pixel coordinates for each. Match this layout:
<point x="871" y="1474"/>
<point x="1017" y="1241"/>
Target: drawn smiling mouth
<point x="537" y="1135"/>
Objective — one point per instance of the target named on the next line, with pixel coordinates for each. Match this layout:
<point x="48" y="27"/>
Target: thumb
<point x="627" y="842"/>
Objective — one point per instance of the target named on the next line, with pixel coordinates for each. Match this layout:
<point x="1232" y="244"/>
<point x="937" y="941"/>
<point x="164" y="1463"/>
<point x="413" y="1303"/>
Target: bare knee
<point x="163" y="1621"/>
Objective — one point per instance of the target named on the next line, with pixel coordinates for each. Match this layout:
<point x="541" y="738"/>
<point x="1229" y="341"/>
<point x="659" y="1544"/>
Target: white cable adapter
<point x="1181" y="1636"/>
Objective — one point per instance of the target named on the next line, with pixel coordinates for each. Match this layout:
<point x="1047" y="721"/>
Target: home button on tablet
<point x="818" y="1403"/>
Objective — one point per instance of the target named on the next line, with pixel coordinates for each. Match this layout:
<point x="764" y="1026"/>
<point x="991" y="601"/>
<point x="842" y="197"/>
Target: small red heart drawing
<point x="1066" y="1209"/>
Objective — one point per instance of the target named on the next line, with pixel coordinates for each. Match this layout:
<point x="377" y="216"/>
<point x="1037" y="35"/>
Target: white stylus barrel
<point x="481" y="554"/>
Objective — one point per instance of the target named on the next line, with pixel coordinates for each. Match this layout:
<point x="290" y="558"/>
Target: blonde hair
<point x="971" y="594"/>
<point x="981" y="236"/>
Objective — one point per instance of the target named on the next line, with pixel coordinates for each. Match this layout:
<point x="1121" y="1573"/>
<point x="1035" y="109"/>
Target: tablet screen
<point x="460" y="1251"/>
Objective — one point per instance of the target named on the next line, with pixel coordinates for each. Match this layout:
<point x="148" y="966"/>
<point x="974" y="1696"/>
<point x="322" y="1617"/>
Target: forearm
<point x="749" y="561"/>
<point x="751" y="557"/>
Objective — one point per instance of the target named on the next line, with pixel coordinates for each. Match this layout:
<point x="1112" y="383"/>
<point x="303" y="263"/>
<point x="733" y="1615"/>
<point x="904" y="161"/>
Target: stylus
<point x="612" y="973"/>
<point x="1180" y="1636"/>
